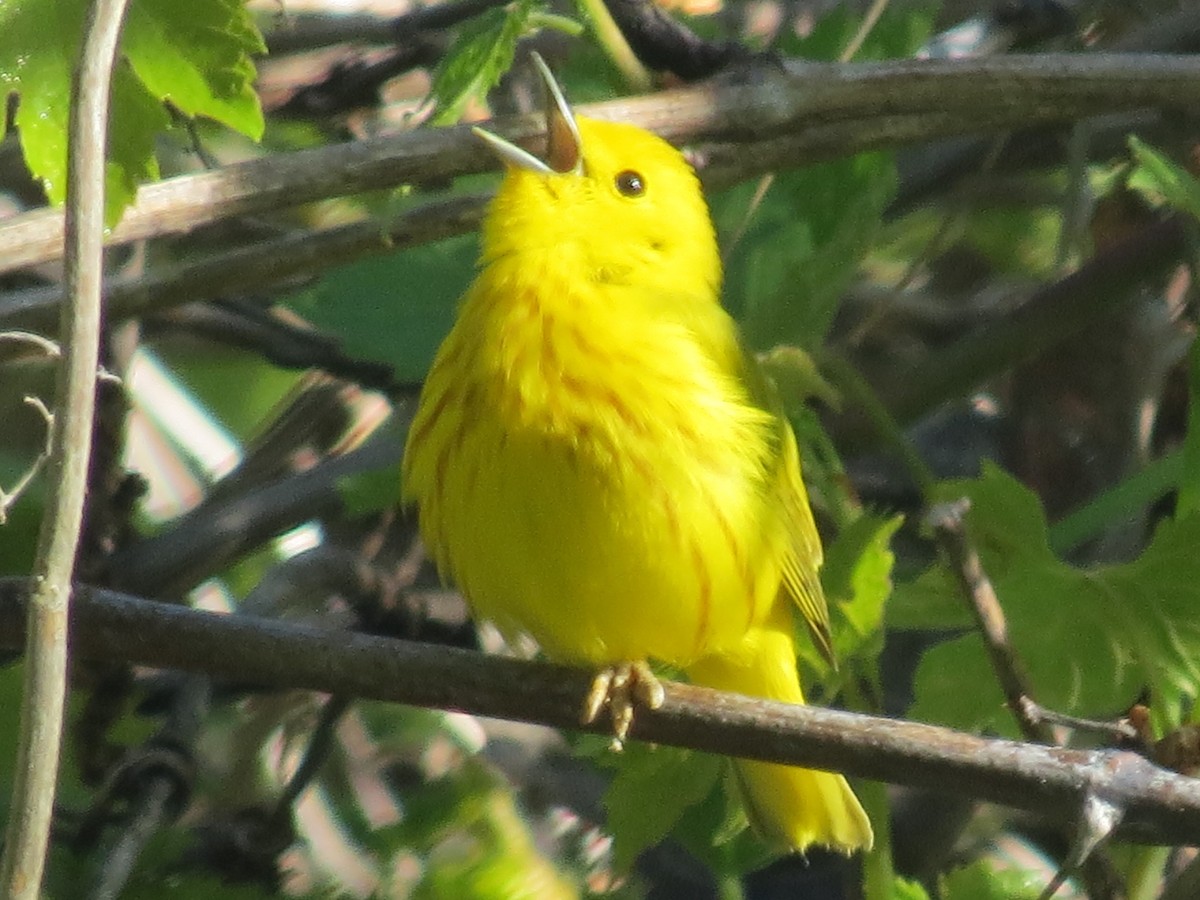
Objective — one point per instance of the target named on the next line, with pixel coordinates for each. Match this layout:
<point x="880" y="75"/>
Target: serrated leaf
<point x="479" y="58"/>
<point x="1090" y="640"/>
<point x="857" y="574"/>
<point x="1161" y="180"/>
<point x="857" y="578"/>
<point x="199" y="62"/>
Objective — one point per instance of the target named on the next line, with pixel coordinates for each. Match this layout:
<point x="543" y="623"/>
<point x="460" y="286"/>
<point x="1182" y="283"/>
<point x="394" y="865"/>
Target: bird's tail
<point x="786" y="805"/>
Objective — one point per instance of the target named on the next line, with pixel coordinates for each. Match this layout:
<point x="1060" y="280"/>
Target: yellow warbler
<point x="596" y="461"/>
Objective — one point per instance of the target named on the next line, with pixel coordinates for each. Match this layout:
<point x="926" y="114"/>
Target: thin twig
<point x="1160" y="806"/>
<point x="316" y="754"/>
<point x="157" y="778"/>
<point x="1099" y="814"/>
<point x="249" y="325"/>
<point x="44" y="690"/>
<point x="947" y="520"/>
<point x="9" y="496"/>
<point x="613" y="40"/>
<point x="864" y="30"/>
<point x="272" y="263"/>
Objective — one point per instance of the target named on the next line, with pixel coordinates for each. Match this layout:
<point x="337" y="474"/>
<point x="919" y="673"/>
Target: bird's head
<point x="614" y="200"/>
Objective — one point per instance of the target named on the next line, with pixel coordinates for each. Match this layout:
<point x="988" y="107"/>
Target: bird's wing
<point x="802" y="564"/>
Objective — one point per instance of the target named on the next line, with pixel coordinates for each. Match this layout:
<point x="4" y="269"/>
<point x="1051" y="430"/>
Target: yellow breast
<point x="589" y="475"/>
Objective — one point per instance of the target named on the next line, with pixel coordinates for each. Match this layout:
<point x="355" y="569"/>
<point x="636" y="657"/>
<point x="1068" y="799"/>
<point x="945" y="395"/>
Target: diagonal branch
<point x="1160" y="805"/>
<point x="949" y="530"/>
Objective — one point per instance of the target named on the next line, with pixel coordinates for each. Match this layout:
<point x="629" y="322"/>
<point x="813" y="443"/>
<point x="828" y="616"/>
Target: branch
<point x="664" y="43"/>
<point x="257" y="266"/>
<point x="1100" y="287"/>
<point x="312" y="31"/>
<point x="250" y="326"/>
<point x="206" y="539"/>
<point x="947" y="520"/>
<point x="1100" y="816"/>
<point x="1160" y="805"/>
<point x="767" y="103"/>
<point x="44" y="690"/>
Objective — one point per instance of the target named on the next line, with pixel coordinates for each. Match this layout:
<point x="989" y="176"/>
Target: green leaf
<point x="1125" y="500"/>
<point x="200" y="62"/>
<point x="367" y="492"/>
<point x="486" y="852"/>
<point x="981" y="880"/>
<point x="857" y="577"/>
<point x="903" y="889"/>
<point x="396" y="308"/>
<point x="653" y="788"/>
<point x="898" y="33"/>
<point x="797" y="379"/>
<point x="1161" y="180"/>
<point x="802" y="246"/>
<point x="482" y="54"/>
<point x="1090" y="640"/>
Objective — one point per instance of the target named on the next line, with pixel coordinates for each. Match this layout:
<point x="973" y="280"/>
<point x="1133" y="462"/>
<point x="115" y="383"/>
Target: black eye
<point x="630" y="183"/>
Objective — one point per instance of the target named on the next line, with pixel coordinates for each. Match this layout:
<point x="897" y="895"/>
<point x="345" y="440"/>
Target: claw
<point x="621" y="688"/>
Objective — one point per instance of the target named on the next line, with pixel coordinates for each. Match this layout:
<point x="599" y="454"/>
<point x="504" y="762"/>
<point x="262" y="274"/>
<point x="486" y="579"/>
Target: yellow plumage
<point x="594" y="457"/>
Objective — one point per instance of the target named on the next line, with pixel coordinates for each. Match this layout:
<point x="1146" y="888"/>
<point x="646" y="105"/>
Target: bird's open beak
<point x="564" y="149"/>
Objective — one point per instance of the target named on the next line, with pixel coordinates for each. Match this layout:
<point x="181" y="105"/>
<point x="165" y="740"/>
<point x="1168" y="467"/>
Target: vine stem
<point x="44" y="690"/>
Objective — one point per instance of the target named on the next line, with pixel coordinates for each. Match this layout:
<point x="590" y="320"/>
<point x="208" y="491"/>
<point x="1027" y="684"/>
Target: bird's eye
<point x="630" y="183"/>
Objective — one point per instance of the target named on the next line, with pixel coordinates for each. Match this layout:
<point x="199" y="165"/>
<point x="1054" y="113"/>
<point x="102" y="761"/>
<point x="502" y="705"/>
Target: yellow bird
<point x="596" y="459"/>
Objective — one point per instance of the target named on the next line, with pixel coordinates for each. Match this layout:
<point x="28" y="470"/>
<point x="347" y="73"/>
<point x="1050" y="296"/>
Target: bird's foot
<point x="621" y="688"/>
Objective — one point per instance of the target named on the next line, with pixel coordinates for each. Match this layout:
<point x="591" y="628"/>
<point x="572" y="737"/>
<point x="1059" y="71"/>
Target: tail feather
<point x="790" y="806"/>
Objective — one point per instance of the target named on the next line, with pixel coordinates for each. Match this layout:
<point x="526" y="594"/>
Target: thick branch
<point x="663" y="43"/>
<point x="768" y="102"/>
<point x="258" y="266"/>
<point x="206" y="539"/>
<point x="1160" y="805"/>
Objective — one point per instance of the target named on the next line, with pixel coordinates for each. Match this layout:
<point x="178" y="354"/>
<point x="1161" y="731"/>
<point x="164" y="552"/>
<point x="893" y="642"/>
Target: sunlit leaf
<point x="1162" y="180"/>
<point x="981" y="880"/>
<point x="482" y="53"/>
<point x="200" y="63"/>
